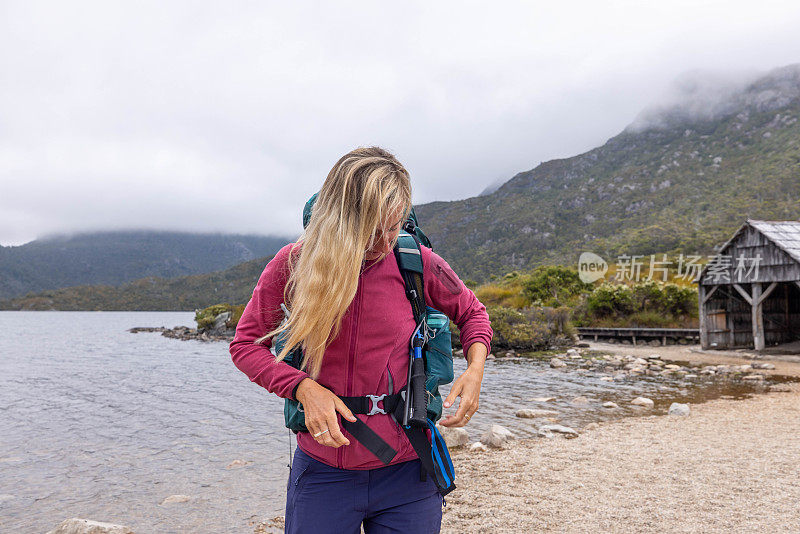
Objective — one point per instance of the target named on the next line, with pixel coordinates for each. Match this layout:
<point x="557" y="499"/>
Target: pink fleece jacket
<point x="372" y="344"/>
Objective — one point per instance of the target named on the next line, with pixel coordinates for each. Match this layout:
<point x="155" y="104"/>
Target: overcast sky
<point x="227" y="116"/>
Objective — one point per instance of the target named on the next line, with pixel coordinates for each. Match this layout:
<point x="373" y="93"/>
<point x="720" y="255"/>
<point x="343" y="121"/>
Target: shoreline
<point x="788" y="365"/>
<point x="731" y="465"/>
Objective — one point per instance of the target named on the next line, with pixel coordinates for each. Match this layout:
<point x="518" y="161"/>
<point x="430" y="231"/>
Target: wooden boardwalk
<point x="640" y="334"/>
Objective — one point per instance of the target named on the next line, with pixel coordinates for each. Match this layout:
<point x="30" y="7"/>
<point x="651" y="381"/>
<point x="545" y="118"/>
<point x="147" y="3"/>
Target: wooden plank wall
<point x="782" y="315"/>
<point x="726" y="310"/>
<point x="729" y="311"/>
<point x="781" y="309"/>
<point x="775" y="265"/>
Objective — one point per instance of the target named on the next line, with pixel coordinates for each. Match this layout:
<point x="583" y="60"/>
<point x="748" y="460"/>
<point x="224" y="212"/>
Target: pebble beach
<point x="730" y="465"/>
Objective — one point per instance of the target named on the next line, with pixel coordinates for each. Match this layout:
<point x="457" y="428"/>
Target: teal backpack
<point x="438" y="359"/>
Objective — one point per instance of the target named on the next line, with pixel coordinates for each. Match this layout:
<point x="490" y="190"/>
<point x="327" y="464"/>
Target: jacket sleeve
<point x="261" y="315"/>
<point x="445" y="291"/>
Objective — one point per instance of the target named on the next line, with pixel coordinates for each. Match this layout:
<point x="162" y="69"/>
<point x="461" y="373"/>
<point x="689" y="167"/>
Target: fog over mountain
<point x="680" y="179"/>
<point x="709" y="95"/>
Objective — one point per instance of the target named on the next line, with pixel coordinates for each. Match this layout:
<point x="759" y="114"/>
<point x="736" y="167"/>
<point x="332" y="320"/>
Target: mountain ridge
<point x="117" y="257"/>
<point x="646" y="190"/>
<point x="185" y="293"/>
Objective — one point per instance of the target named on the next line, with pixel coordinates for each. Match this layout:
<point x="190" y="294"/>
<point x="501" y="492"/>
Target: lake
<point x="104" y="424"/>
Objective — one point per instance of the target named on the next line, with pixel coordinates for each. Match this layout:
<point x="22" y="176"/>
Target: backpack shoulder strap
<point x="409" y="259"/>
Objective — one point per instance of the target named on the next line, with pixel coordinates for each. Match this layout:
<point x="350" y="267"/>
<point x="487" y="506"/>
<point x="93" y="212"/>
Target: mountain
<point x="186" y="293"/>
<point x="114" y="258"/>
<point x="681" y="178"/>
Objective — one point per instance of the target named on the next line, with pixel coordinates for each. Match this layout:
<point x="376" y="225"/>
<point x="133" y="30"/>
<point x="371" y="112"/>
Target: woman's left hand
<point x="468" y="387"/>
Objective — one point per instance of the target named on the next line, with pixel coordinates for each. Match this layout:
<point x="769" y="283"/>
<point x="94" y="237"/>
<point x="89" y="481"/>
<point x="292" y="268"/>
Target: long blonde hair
<point x="361" y="190"/>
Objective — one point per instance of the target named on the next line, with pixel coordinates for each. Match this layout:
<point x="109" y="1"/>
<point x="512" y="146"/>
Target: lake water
<point x="104" y="424"/>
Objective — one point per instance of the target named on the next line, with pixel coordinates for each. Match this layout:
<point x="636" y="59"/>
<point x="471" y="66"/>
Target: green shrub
<point x="236" y="313"/>
<point x="553" y="286"/>
<point x="680" y="300"/>
<point x="529" y="329"/>
<point x="205" y="317"/>
<point x="610" y="299"/>
<point x="645" y="304"/>
<point x="646" y="295"/>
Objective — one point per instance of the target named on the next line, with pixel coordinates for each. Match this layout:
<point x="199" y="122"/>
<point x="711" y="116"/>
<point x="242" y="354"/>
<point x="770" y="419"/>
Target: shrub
<point x="553" y="286"/>
<point x="680" y="300"/>
<point x="610" y="299"/>
<point x="205" y="317"/>
<point x="646" y="295"/>
<point x="528" y="328"/>
<point x="646" y="304"/>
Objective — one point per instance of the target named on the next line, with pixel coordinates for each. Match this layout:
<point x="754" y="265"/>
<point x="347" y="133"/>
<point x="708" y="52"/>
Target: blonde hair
<point x="364" y="187"/>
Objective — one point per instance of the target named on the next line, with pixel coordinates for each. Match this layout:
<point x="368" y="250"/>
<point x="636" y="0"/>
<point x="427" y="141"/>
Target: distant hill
<point x="114" y="258"/>
<point x="186" y="293"/>
<point x="681" y="178"/>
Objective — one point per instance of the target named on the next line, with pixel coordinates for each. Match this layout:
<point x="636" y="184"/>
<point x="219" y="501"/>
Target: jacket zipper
<point x="390" y="391"/>
<point x="351" y="357"/>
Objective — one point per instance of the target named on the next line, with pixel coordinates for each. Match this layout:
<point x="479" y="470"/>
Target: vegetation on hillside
<point x="118" y="257"/>
<point x="680" y="184"/>
<point x="645" y="304"/>
<point x="186" y="293"/>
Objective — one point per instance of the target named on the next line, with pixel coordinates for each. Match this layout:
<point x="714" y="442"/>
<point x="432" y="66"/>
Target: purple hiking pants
<point x="323" y="499"/>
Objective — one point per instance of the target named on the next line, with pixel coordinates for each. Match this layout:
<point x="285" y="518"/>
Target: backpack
<point x="438" y="352"/>
<point x="438" y="360"/>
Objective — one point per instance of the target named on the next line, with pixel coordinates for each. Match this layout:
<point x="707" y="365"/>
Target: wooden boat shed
<point x="749" y="294"/>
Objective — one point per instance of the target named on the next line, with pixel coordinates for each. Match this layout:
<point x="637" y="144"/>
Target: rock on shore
<point x="87" y="526"/>
<point x="184" y="333"/>
<point x="529" y="413"/>
<point x="547" y="431"/>
<point x="453" y="437"/>
<point x="677" y="408"/>
<point x="496" y="436"/>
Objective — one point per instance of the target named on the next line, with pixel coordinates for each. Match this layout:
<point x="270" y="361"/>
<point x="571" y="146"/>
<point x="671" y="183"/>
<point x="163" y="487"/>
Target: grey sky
<point x="226" y="116"/>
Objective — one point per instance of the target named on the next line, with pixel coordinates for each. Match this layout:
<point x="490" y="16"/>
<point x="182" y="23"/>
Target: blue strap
<point x="441" y="456"/>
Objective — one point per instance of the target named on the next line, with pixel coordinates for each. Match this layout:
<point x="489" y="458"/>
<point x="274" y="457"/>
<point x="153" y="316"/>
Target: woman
<point x="349" y="313"/>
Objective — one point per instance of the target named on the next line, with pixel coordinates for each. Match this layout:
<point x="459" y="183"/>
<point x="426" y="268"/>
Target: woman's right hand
<point x="320" y="406"/>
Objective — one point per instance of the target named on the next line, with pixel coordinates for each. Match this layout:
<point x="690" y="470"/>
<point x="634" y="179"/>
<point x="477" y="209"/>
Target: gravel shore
<point x="730" y="466"/>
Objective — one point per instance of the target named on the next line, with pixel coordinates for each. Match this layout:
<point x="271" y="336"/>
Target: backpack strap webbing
<point x="434" y="459"/>
<point x="368" y="405"/>
<point x="408" y="254"/>
<point x="370" y="440"/>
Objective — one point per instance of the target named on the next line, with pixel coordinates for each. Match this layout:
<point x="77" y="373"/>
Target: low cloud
<point x="207" y="117"/>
